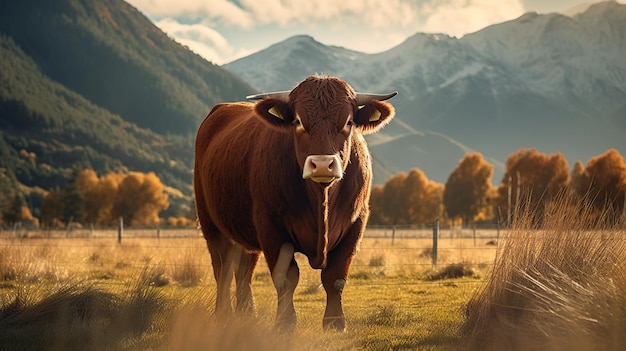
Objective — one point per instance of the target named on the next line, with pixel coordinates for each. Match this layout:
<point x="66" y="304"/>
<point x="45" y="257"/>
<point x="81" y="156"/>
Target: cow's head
<point x="324" y="113"/>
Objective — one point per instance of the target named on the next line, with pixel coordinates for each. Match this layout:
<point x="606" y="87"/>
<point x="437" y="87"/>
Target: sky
<point x="224" y="30"/>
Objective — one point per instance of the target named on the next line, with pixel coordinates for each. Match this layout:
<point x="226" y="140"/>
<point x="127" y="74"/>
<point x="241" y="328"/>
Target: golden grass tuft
<point x="451" y="271"/>
<point x="556" y="288"/>
<point x="74" y="316"/>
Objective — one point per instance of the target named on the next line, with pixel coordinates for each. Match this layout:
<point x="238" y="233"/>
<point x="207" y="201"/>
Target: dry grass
<point x="94" y="294"/>
<point x="559" y="288"/>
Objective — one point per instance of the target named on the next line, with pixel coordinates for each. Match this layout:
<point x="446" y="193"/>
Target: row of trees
<point x="89" y="199"/>
<point x="532" y="180"/>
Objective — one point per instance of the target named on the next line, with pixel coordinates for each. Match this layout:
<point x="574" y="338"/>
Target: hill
<point x="95" y="83"/>
<point x="552" y="82"/>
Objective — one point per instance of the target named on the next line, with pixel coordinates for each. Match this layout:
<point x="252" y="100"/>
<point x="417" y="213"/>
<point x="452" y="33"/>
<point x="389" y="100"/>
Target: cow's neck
<point x="319" y="200"/>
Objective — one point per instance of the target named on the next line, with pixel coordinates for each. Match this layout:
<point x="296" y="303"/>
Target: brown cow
<point x="290" y="173"/>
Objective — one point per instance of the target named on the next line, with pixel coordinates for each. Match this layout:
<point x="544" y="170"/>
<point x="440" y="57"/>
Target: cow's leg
<point x="243" y="278"/>
<point x="285" y="275"/>
<point x="223" y="256"/>
<point x="335" y="274"/>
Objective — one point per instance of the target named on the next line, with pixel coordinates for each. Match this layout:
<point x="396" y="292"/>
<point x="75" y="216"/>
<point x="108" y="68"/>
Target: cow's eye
<point x="296" y="122"/>
<point x="350" y="123"/>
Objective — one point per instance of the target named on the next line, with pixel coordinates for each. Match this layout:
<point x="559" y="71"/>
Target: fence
<point x="487" y="234"/>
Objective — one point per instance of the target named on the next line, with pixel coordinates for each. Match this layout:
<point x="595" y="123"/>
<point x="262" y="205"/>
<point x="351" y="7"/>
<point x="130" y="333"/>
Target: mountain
<point x="95" y="83"/>
<point x="319" y="59"/>
<point x="552" y="82"/>
<point x="111" y="54"/>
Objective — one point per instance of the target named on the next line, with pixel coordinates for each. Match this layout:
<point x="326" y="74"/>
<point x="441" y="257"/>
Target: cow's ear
<point x="374" y="115"/>
<point x="275" y="113"/>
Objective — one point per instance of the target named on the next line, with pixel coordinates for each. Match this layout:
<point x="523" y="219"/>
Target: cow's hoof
<point x="335" y="323"/>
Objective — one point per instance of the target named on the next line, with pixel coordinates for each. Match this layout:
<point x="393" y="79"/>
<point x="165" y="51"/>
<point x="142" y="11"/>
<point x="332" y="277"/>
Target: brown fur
<point x="250" y="193"/>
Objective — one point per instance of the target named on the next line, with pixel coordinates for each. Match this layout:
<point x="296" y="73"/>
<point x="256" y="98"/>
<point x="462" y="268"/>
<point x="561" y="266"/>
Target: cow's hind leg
<point x="285" y="275"/>
<point x="223" y="257"/>
<point x="243" y="278"/>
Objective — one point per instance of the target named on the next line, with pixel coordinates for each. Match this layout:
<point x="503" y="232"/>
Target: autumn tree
<point x="531" y="179"/>
<point x="377" y="215"/>
<point x="72" y="201"/>
<point x="576" y="177"/>
<point x="467" y="189"/>
<point x="139" y="199"/>
<point x="406" y="199"/>
<point x="394" y="200"/>
<point x="51" y="210"/>
<point x="423" y="197"/>
<point x="603" y="181"/>
<point x="98" y="194"/>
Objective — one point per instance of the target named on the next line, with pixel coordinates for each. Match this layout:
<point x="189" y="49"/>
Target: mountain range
<point x="552" y="82"/>
<point x="94" y="83"/>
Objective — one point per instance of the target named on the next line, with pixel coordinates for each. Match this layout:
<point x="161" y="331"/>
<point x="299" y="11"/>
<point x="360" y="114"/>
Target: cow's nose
<point x="322" y="168"/>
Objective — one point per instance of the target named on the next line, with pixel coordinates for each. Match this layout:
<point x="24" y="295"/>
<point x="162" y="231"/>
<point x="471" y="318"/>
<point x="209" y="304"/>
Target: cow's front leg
<point x="334" y="277"/>
<point x="285" y="275"/>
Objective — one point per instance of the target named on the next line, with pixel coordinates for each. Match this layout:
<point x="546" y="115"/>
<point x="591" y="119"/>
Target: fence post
<point x="120" y="230"/>
<point x="435" y="240"/>
<point x="474" y="232"/>
<point x="158" y="231"/>
<point x="393" y="234"/>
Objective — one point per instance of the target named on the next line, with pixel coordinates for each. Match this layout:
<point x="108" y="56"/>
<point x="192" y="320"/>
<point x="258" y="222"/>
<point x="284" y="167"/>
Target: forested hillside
<point x="94" y="84"/>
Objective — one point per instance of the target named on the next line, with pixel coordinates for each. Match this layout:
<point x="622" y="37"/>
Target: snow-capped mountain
<point x="552" y="82"/>
<point x="285" y="64"/>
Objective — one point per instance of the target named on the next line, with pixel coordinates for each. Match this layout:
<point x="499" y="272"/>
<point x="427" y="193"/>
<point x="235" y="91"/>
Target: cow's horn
<point x="363" y="98"/>
<point x="279" y="95"/>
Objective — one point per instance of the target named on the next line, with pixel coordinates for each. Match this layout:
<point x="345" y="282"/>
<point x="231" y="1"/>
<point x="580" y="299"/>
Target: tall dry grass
<point x="560" y="287"/>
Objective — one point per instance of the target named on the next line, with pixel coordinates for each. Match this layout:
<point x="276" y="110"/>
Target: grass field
<point x="559" y="288"/>
<point x="395" y="297"/>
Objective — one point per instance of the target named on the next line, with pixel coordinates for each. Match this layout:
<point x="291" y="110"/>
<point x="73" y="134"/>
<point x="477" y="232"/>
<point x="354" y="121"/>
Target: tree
<point x="531" y="179"/>
<point x="72" y="202"/>
<point x="98" y="195"/>
<point x="406" y="199"/>
<point x="51" y="210"/>
<point x="604" y="181"/>
<point x="467" y="189"/>
<point x="377" y="214"/>
<point x="423" y="197"/>
<point x="139" y="199"/>
<point x="394" y="200"/>
<point x="576" y="177"/>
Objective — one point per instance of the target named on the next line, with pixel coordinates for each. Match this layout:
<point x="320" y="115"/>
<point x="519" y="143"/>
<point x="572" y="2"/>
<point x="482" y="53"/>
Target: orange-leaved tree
<point x="423" y="197"/>
<point x="98" y="195"/>
<point x="466" y="194"/>
<point x="531" y="180"/>
<point x="139" y="199"/>
<point x="603" y="182"/>
<point x="406" y="199"/>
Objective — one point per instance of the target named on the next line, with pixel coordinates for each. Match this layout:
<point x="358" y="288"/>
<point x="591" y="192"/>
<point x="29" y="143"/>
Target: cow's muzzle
<point x="322" y="168"/>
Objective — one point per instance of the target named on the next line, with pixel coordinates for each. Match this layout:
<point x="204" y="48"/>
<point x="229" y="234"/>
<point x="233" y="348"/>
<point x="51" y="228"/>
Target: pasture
<point x="552" y="289"/>
<point x="162" y="292"/>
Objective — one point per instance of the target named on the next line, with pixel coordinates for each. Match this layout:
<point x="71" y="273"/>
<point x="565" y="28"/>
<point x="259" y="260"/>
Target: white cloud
<point x="224" y="11"/>
<point x="364" y="25"/>
<point x="201" y="39"/>
<point x="371" y="13"/>
<point x="459" y="17"/>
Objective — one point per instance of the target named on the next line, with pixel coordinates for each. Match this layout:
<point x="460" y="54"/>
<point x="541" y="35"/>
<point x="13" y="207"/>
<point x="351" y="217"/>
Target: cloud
<point x="459" y="17"/>
<point x="364" y="25"/>
<point x="249" y="13"/>
<point x="200" y="39"/>
<point x="371" y="13"/>
<point x="222" y="11"/>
